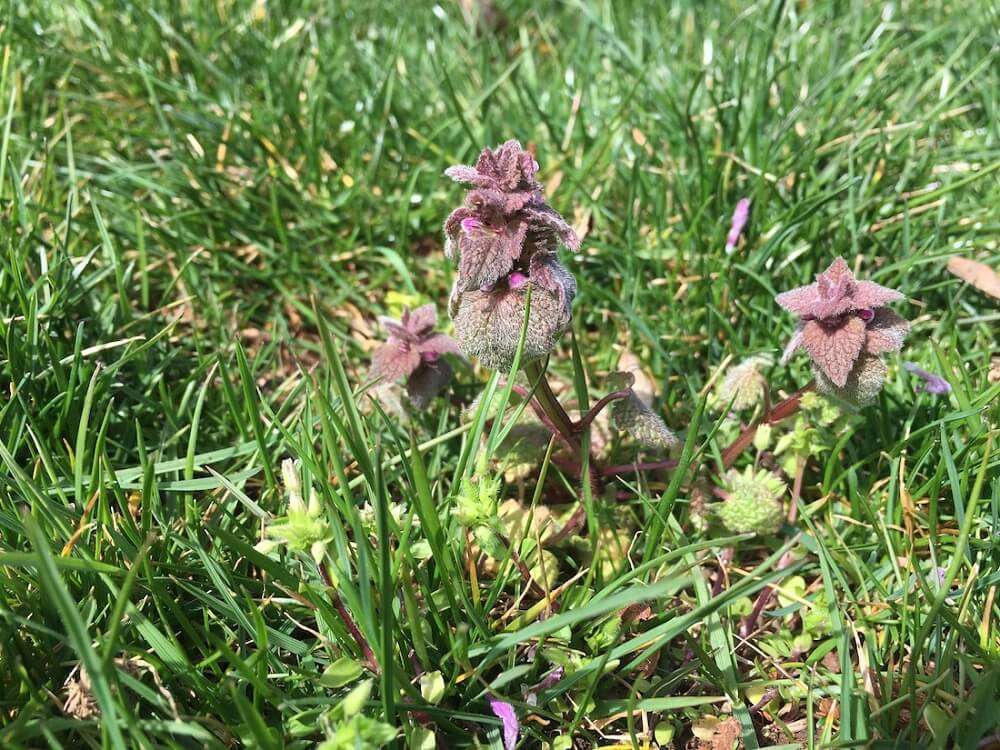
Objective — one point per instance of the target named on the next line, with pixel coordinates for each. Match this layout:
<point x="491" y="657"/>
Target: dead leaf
<point x="979" y="275"/>
<point x="727" y="735"/>
<point x="994" y="375"/>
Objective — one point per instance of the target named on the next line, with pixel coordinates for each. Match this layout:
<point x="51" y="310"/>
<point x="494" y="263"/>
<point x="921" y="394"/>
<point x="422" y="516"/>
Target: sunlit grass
<point x="205" y="207"/>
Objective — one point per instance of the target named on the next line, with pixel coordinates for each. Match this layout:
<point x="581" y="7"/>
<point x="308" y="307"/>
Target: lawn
<point x="217" y="532"/>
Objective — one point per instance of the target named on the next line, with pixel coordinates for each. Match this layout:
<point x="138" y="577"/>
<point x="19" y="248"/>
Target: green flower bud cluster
<point x="349" y="729"/>
<point x="477" y="507"/>
<point x="305" y="527"/>
<point x="754" y="503"/>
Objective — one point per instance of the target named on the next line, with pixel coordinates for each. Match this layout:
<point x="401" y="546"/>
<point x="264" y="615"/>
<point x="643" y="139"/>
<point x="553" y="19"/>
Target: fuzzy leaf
<point x="886" y="332"/>
<point x="834" y="348"/>
<point x="427" y="381"/>
<point x="488" y="252"/>
<point x="394" y="360"/>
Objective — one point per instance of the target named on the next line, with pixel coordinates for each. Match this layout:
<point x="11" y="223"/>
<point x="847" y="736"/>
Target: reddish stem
<point x="584" y="422"/>
<point x="780" y="411"/>
<point x="352" y="628"/>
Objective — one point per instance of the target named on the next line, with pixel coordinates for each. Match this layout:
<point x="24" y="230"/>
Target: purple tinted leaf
<point x="870" y="294"/>
<point x="427" y="381"/>
<point x="394" y="360"/>
<point x="549" y="225"/>
<point x="394" y="328"/>
<point x="508" y="718"/>
<point x="453" y="227"/>
<point x="793" y="345"/>
<point x="489" y="252"/>
<point x="438" y="344"/>
<point x="547" y="272"/>
<point x="886" y="332"/>
<point x="469" y="175"/>
<point x="834" y="348"/>
<point x="420" y="321"/>
<point x="836" y="292"/>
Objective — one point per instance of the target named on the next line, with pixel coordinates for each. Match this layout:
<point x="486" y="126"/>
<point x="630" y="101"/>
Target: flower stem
<point x="547" y="399"/>
<point x="348" y="621"/>
<point x="590" y="416"/>
<point x="777" y="413"/>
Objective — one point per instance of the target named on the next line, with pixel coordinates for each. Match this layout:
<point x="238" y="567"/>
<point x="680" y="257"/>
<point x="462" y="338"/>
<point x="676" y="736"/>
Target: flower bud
<point x="632" y="416"/>
<point x="863" y="383"/>
<point x="754" y="502"/>
<point x="743" y="386"/>
<point x="488" y="324"/>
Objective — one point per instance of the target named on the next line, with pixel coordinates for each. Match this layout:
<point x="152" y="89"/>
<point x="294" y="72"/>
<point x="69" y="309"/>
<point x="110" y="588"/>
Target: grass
<point x="207" y="204"/>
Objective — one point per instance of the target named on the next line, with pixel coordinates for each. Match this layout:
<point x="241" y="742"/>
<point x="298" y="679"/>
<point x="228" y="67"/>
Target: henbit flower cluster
<point x="754" y="502"/>
<point x="845" y="328"/>
<point x="413" y="351"/>
<point x="505" y="238"/>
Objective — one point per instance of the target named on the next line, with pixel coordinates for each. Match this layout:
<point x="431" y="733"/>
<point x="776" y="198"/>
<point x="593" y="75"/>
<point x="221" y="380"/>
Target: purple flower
<point x="508" y="718"/>
<point x="413" y="351"/>
<point x="740" y="216"/>
<point x="505" y="238"/>
<point x="932" y="383"/>
<point x="844" y="327"/>
<point x="505" y="218"/>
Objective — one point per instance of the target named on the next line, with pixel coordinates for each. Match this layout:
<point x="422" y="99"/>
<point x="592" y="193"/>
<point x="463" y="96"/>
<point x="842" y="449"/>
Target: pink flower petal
<point x="932" y="383"/>
<point x="508" y="717"/>
<point x="834" y="348"/>
<point x="517" y="280"/>
<point x="739" y="221"/>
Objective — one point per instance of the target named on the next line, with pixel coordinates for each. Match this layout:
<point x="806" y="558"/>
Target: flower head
<point x="932" y="383"/>
<point x="304" y="528"/>
<point x="413" y="351"/>
<point x="743" y="386"/>
<point x="505" y="237"/>
<point x="754" y="502"/>
<point x="844" y="327"/>
<point x="636" y="418"/>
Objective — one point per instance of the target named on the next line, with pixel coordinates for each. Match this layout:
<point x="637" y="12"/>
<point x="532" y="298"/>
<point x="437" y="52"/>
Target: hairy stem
<point x="585" y="421"/>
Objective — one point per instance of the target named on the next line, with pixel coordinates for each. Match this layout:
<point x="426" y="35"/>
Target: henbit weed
<point x="203" y="208"/>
